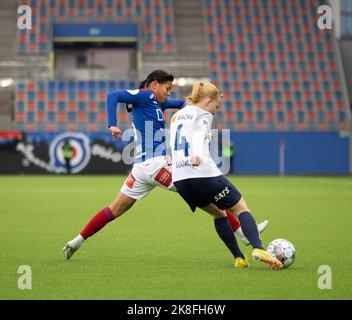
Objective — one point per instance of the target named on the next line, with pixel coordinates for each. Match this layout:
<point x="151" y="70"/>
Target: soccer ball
<point x="283" y="250"/>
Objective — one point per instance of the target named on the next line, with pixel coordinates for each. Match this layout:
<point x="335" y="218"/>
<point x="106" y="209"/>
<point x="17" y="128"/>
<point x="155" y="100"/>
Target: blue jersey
<point x="147" y="119"/>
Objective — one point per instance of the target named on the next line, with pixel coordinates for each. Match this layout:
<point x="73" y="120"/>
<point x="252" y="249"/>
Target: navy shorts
<point x="200" y="192"/>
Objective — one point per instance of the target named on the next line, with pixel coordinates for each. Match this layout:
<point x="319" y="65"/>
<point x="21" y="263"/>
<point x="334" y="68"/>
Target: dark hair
<point x="159" y="75"/>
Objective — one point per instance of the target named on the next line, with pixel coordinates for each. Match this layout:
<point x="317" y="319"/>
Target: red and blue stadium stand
<point x="154" y="17"/>
<point x="66" y="105"/>
<point x="271" y="55"/>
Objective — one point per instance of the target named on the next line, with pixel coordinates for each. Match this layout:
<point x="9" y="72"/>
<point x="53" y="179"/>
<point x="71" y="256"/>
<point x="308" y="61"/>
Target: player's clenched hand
<point x="116" y="132"/>
<point x="196" y="160"/>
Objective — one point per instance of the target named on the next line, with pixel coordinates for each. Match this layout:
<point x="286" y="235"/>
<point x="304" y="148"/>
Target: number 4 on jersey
<point x="181" y="142"/>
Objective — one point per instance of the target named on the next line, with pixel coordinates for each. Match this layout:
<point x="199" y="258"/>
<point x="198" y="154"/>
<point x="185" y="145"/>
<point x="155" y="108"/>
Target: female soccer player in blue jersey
<point x="152" y="167"/>
<point x="198" y="180"/>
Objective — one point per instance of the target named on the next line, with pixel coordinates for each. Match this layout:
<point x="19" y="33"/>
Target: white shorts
<point x="147" y="175"/>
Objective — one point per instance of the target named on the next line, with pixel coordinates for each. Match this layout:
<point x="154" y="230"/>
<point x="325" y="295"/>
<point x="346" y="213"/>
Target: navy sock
<point x="225" y="232"/>
<point x="250" y="230"/>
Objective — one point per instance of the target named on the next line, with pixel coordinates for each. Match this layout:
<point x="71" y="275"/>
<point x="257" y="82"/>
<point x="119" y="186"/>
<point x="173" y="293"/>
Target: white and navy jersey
<point x="147" y="119"/>
<point x="190" y="134"/>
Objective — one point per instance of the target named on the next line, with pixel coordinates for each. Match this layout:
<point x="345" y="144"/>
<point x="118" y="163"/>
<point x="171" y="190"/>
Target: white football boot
<point x="72" y="246"/>
<point x="261" y="227"/>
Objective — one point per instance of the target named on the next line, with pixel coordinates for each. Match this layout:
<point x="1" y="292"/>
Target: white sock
<point x="78" y="241"/>
<point x="239" y="232"/>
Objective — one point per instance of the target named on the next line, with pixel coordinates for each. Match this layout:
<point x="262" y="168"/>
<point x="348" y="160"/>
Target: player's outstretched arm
<point x="133" y="97"/>
<point x="173" y="104"/>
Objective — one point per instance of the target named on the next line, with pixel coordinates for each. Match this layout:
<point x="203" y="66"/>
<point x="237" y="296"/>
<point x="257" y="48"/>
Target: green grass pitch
<point x="160" y="250"/>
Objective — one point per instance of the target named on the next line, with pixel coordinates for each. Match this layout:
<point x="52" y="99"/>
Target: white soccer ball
<point x="283" y="250"/>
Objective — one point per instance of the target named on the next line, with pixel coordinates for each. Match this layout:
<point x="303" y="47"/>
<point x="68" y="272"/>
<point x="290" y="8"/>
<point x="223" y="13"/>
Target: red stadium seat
<point x="269" y="116"/>
<point x="20" y="117"/>
<point x="62" y="96"/>
<point x="72" y="106"/>
<point x="258" y="106"/>
<point x="307" y="95"/>
<point x="31" y="86"/>
<point x="31" y="127"/>
<point x="82" y="96"/>
<point x="341" y="105"/>
<point x="61" y="116"/>
<point x="82" y="116"/>
<point x="331" y="116"/>
<point x="316" y="85"/>
<point x="51" y="106"/>
<point x="290" y="116"/>
<point x="51" y="127"/>
<point x="311" y="116"/>
<point x="240" y="127"/>
<point x="261" y="126"/>
<point x="30" y="106"/>
<point x="327" y="95"/>
<point x="319" y="105"/>
<point x="238" y="105"/>
<point x="322" y="126"/>
<point x="298" y="105"/>
<point x="21" y="96"/>
<point x="102" y="116"/>
<point x="249" y="116"/>
<point x="123" y="117"/>
<point x="229" y="116"/>
<point x="92" y="106"/>
<point x="302" y="126"/>
<point x="92" y="127"/>
<point x="41" y="96"/>
<point x="278" y="105"/>
<point x="72" y="126"/>
<point x="280" y="126"/>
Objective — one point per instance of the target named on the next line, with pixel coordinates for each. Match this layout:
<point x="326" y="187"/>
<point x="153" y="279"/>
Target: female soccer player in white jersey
<point x="198" y="180"/>
<point x="151" y="165"/>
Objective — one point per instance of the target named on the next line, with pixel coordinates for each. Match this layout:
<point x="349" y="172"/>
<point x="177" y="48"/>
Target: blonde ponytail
<point x="202" y="90"/>
<point x="196" y="94"/>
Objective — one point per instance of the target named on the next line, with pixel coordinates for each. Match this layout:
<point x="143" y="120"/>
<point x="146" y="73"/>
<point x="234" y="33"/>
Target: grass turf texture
<point x="160" y="250"/>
